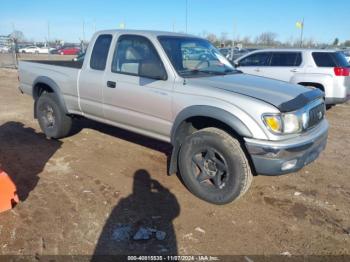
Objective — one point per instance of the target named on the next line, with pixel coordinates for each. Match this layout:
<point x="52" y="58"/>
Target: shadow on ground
<point x="150" y="205"/>
<point x="24" y="154"/>
<point x="163" y="147"/>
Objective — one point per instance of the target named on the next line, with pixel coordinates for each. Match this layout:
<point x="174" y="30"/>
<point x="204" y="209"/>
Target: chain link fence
<point x="8" y="58"/>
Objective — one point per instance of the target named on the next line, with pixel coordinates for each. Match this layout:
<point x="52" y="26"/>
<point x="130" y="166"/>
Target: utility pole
<point x="94" y="25"/>
<point x="302" y="33"/>
<point x="186" y="15"/>
<point x="48" y="33"/>
<point x="230" y="57"/>
<point x="174" y="25"/>
<point x="83" y="31"/>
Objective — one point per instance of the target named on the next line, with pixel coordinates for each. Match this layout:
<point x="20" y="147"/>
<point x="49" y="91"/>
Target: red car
<point x="69" y="51"/>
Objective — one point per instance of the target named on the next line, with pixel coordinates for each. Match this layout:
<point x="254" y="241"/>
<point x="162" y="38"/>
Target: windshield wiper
<point x="196" y="71"/>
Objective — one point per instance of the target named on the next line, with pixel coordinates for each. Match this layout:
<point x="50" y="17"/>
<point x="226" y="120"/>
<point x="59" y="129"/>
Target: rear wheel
<point x="214" y="167"/>
<point x="52" y="119"/>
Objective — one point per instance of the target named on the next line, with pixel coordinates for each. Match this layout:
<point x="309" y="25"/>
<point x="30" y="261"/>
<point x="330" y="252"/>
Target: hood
<point x="285" y="96"/>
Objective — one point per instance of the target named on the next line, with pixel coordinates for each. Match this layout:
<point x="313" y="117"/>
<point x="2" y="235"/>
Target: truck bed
<point x="72" y="64"/>
<point x="63" y="74"/>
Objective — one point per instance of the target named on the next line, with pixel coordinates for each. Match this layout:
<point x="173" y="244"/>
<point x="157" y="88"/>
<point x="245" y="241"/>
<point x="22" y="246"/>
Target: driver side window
<point x="136" y="55"/>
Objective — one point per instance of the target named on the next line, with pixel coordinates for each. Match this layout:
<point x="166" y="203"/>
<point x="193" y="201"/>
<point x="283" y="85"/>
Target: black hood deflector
<point x="301" y="100"/>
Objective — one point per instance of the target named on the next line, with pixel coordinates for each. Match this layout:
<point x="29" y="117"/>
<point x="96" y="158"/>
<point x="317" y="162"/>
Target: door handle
<point x="294" y="70"/>
<point x="257" y="70"/>
<point x="111" y="84"/>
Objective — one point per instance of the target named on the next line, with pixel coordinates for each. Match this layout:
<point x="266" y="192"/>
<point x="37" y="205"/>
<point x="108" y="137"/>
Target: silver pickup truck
<point x="224" y="125"/>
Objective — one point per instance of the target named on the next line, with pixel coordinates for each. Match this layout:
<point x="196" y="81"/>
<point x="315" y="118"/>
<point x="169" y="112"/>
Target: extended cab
<point x="224" y="125"/>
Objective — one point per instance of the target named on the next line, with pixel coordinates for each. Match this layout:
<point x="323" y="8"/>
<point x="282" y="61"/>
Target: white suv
<point x="327" y="70"/>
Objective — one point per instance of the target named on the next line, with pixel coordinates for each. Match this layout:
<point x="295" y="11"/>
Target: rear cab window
<point x="289" y="59"/>
<point x="330" y="59"/>
<point x="100" y="52"/>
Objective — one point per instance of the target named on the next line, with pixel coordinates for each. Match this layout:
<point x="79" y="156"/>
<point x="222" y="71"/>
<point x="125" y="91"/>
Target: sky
<point x="324" y="20"/>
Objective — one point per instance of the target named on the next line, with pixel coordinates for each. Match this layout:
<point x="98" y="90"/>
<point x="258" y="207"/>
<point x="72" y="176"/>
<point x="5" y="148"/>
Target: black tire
<point x="52" y="119"/>
<point x="214" y="167"/>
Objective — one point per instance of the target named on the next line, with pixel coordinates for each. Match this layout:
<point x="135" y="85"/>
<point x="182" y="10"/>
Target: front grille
<point x="316" y="114"/>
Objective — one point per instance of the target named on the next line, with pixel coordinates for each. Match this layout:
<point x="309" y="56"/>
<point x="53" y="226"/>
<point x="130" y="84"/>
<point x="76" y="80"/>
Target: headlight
<point x="291" y="123"/>
<point x="285" y="123"/>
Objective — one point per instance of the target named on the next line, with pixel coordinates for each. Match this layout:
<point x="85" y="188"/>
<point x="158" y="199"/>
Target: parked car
<point x="326" y="70"/>
<point x="237" y="53"/>
<point x="195" y="53"/>
<point x="34" y="50"/>
<point x="69" y="51"/>
<point x="225" y="51"/>
<point x="234" y="53"/>
<point x="223" y="125"/>
<point x="4" y="49"/>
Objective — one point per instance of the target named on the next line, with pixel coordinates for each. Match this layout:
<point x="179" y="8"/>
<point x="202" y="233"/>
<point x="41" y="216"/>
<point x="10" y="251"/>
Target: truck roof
<point x="144" y="32"/>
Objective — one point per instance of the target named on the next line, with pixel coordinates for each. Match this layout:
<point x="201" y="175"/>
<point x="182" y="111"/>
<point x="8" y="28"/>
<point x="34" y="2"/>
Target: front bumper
<point x="282" y="157"/>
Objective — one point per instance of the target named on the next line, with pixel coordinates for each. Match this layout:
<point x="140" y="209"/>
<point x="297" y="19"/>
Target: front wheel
<point x="52" y="119"/>
<point x="214" y="167"/>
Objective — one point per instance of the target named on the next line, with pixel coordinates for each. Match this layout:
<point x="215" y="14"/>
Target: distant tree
<point x="310" y="42"/>
<point x="212" y="37"/>
<point x="17" y="36"/>
<point x="347" y="43"/>
<point x="246" y="40"/>
<point x="223" y="37"/>
<point x="228" y="42"/>
<point x="266" y="38"/>
<point x="336" y="41"/>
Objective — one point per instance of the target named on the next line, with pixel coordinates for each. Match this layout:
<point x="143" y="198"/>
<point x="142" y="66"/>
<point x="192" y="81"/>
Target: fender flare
<point x="205" y="111"/>
<point x="52" y="84"/>
<point x="213" y="112"/>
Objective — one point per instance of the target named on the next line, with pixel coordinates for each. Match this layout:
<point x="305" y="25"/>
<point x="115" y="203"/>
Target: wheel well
<point x="191" y="125"/>
<point x="40" y="88"/>
<point x="317" y="85"/>
<point x="201" y="122"/>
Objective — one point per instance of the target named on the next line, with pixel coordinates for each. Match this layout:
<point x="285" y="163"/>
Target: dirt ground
<point x="77" y="192"/>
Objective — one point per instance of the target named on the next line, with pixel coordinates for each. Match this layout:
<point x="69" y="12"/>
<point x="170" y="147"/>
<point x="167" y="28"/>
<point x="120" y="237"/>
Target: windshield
<point x="195" y="57"/>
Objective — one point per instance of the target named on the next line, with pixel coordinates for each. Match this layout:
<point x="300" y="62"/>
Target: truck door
<point x="92" y="78"/>
<point x="137" y="93"/>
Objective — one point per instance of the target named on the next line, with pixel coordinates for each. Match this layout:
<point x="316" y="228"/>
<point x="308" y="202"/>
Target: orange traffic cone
<point x="8" y="194"/>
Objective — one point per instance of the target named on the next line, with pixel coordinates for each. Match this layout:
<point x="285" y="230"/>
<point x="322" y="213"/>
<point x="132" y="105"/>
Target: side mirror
<point x="236" y="64"/>
<point x="153" y="70"/>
